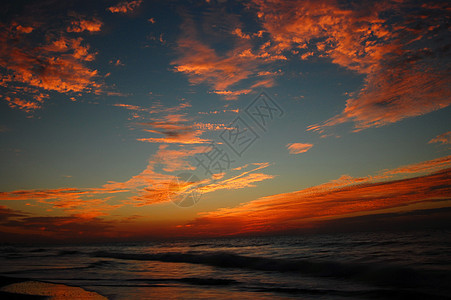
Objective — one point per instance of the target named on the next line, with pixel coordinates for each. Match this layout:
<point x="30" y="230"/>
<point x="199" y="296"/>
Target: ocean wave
<point x="102" y="264"/>
<point x="380" y="275"/>
<point x="8" y="249"/>
<point x="38" y="250"/>
<point x="359" y="294"/>
<point x="199" y="245"/>
<point x="231" y="244"/>
<point x="192" y="280"/>
<point x="68" y="252"/>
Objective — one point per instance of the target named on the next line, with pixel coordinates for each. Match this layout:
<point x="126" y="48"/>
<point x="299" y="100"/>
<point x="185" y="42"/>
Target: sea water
<point x="405" y="265"/>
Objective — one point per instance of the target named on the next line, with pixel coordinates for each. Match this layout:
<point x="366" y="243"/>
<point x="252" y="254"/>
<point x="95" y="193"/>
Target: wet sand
<point x="20" y="288"/>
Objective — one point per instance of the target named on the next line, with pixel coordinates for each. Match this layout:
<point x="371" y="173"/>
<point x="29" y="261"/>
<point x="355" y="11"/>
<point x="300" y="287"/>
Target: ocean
<point x="407" y="265"/>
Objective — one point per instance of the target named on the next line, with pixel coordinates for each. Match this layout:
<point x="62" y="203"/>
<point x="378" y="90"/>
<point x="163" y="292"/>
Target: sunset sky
<point x="286" y="115"/>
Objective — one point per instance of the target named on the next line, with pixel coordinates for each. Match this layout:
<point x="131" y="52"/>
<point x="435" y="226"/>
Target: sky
<point x="124" y="120"/>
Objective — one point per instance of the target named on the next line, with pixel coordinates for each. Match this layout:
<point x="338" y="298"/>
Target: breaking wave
<point x="384" y="275"/>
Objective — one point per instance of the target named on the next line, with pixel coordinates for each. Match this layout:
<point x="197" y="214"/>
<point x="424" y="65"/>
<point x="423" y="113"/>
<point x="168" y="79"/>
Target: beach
<point x="21" y="288"/>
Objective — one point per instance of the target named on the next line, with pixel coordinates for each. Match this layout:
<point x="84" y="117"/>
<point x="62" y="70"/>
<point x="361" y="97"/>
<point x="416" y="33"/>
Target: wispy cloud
<point x="444" y="139"/>
<point x="297" y="148"/>
<point x="337" y="199"/>
<point x="81" y="24"/>
<point x="169" y="188"/>
<point x="155" y="109"/>
<point x="239" y="32"/>
<point x="33" y="70"/>
<point x="423" y="167"/>
<point x="130" y="107"/>
<point x="175" y="159"/>
<point x="398" y="46"/>
<point x="242" y="180"/>
<point x="211" y="126"/>
<point x="175" y="130"/>
<point x="87" y="202"/>
<point x="203" y="64"/>
<point x="24" y="29"/>
<point x="232" y="95"/>
<point x="152" y="185"/>
<point x="117" y="63"/>
<point x="215" y="112"/>
<point x="125" y="6"/>
<point x="27" y="106"/>
<point x="170" y="122"/>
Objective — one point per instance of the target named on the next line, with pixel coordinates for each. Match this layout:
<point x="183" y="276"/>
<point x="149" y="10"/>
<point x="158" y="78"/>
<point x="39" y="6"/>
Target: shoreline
<point x="5" y="281"/>
<point x="25" y="288"/>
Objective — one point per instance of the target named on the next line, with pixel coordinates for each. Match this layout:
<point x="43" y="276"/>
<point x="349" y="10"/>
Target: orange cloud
<point x="202" y="63"/>
<point x="262" y="54"/>
<point x="423" y="167"/>
<point x="55" y="65"/>
<point x="232" y="95"/>
<point x="159" y="108"/>
<point x="156" y="108"/>
<point x="27" y="106"/>
<point x="267" y="83"/>
<point x="187" y="138"/>
<point x="70" y="193"/>
<point x="268" y="73"/>
<point x="402" y="59"/>
<point x="307" y="55"/>
<point x="24" y="29"/>
<point x="154" y="187"/>
<point x="238" y="32"/>
<point x="117" y="63"/>
<point x="166" y="191"/>
<point x="215" y="112"/>
<point x="385" y="100"/>
<point x="444" y="138"/>
<point x="72" y="200"/>
<point x="179" y="136"/>
<point x="86" y="205"/>
<point x="211" y="126"/>
<point x="174" y="159"/>
<point x="330" y="27"/>
<point x="169" y="188"/>
<point x="241" y="181"/>
<point x="175" y="131"/>
<point x="297" y="148"/>
<point x="81" y="25"/>
<point x="341" y="198"/>
<point x="125" y="7"/>
<point x="130" y="107"/>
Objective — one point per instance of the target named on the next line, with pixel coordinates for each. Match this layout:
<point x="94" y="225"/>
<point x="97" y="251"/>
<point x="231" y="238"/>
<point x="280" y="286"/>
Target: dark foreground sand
<point x="20" y="288"/>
